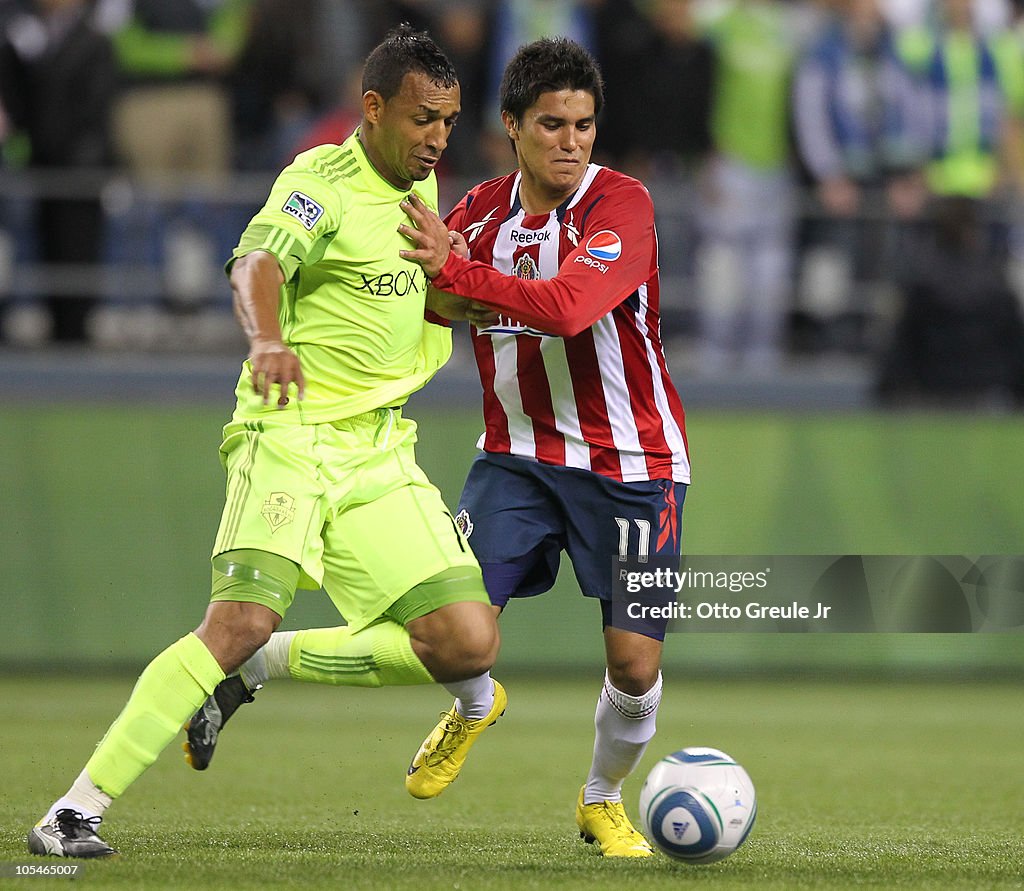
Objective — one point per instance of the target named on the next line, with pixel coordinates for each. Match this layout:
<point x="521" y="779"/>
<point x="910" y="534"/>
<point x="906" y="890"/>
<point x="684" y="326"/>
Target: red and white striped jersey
<point x="574" y="372"/>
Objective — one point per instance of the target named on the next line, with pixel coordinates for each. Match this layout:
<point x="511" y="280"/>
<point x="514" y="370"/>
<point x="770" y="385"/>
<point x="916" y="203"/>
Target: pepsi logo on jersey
<point x="590" y="261"/>
<point x="605" y="245"/>
<point x="601" y="249"/>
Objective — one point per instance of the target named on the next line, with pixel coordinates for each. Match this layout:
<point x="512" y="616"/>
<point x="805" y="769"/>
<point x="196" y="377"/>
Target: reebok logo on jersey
<point x="529" y="236"/>
<point x="605" y="245"/>
<point x="473" y="230"/>
<point x="571" y="232"/>
<point x="668" y="532"/>
<point x="303" y="208"/>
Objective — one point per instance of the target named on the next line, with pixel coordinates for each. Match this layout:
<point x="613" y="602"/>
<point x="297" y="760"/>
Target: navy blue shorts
<point x="519" y="515"/>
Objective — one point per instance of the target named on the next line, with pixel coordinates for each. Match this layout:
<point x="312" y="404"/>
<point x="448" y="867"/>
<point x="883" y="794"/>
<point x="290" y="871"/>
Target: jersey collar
<point x="377" y="177"/>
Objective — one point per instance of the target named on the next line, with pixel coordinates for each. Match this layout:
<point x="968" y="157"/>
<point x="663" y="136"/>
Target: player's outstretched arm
<point x="256" y="281"/>
<point x="580" y="293"/>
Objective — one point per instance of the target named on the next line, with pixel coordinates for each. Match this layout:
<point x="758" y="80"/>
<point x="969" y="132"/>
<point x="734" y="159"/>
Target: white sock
<point x="269" y="661"/>
<point x="623" y="726"/>
<point x="474" y="698"/>
<point x="84" y="797"/>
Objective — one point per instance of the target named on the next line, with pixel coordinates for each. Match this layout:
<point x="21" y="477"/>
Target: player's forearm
<point x="448" y="306"/>
<point x="256" y="281"/>
<point x="563" y="306"/>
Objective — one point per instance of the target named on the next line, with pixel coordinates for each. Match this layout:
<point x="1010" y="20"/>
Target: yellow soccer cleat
<point x="443" y="753"/>
<point x="606" y="823"/>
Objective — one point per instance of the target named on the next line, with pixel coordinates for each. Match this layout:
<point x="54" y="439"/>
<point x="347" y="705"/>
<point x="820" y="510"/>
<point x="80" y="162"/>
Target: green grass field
<point x="894" y="784"/>
<point x="886" y="783"/>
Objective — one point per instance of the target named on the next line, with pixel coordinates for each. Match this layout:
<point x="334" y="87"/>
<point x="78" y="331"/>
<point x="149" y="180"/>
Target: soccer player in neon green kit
<point x="322" y="484"/>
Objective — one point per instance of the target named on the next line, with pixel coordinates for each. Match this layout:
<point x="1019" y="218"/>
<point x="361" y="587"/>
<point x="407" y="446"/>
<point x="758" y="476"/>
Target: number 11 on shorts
<point x="643" y="543"/>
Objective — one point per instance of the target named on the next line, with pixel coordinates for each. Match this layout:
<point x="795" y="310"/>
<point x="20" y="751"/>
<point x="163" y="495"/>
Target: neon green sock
<point x="379" y="655"/>
<point x="166" y="695"/>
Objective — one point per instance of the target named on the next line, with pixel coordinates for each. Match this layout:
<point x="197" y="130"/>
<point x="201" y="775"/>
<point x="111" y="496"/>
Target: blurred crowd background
<point x="836" y="181"/>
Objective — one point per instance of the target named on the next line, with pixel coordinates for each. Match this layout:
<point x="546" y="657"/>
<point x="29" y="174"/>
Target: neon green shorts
<point x="346" y="502"/>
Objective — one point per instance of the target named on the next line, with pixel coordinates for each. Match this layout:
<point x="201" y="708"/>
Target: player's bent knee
<point x="460" y="666"/>
<point x="633" y="683"/>
<point x="234" y="631"/>
<point x="633" y="659"/>
<point x="251" y="590"/>
<point x="477" y="653"/>
<point x="256" y="624"/>
<point x="634" y="673"/>
<point x="456" y="641"/>
<point x="466" y="654"/>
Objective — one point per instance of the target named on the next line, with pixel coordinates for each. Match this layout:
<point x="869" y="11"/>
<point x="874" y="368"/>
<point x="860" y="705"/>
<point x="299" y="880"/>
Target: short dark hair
<point x="403" y="50"/>
<point x="549" y="65"/>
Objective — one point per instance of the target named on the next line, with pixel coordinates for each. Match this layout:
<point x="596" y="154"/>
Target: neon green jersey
<point x="351" y="308"/>
<point x="755" y="52"/>
<point x="967" y="166"/>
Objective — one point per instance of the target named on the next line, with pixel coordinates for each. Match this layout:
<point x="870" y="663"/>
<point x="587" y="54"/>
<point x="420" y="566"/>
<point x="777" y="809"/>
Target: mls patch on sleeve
<point x="303" y="208"/>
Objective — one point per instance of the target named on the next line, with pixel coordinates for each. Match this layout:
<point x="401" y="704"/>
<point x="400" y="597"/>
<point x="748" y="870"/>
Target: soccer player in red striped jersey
<point x="585" y="447"/>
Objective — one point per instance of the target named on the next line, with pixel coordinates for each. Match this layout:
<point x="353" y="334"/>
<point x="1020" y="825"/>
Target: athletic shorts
<point x="519" y="515"/>
<point x="345" y="501"/>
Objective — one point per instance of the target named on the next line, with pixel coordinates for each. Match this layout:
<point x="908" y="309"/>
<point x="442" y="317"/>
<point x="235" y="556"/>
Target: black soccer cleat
<point x="206" y="724"/>
<point x="68" y="834"/>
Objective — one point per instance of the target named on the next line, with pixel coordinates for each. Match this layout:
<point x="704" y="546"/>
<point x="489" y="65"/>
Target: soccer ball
<point x="697" y="805"/>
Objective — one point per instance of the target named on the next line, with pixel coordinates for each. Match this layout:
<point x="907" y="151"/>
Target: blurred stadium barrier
<point x="165" y="239"/>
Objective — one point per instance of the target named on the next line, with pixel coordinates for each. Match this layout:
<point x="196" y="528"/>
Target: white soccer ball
<point x="697" y="805"/>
